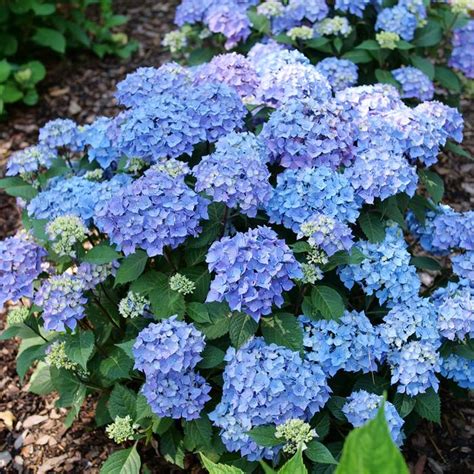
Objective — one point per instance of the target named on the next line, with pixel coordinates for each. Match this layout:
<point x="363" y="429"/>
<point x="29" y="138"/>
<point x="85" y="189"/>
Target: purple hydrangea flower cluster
<point x="169" y="125"/>
<point x="462" y="56"/>
<point x="154" y="211"/>
<point x="415" y="83"/>
<point x="386" y="270"/>
<point x="362" y="406"/>
<point x="147" y="82"/>
<point x="20" y="263"/>
<point x="265" y="384"/>
<point x="397" y="20"/>
<point x="60" y="133"/>
<point x="236" y="173"/>
<point x="341" y="73"/>
<point x="309" y="133"/>
<point x="232" y="69"/>
<point x="92" y="275"/>
<point x="414" y="367"/>
<point x="294" y="81"/>
<point x="352" y="343"/>
<point x="167" y="352"/>
<point x="355" y="7"/>
<point x="463" y="265"/>
<point x="253" y="269"/>
<point x="459" y="369"/>
<point x="63" y="302"/>
<point x="29" y="160"/>
<point x="301" y="193"/>
<point x="297" y="12"/>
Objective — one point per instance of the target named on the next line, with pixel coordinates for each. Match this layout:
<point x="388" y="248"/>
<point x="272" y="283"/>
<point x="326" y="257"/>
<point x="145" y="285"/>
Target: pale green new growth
<point x="182" y="284"/>
<point x="58" y="358"/>
<point x="17" y="316"/>
<point x="122" y="429"/>
<point x="300" y="32"/>
<point x="66" y="232"/>
<point x="133" y="305"/>
<point x="387" y="39"/>
<point x="296" y="433"/>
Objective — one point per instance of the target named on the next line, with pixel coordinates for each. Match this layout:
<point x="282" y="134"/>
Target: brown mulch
<point x="33" y="438"/>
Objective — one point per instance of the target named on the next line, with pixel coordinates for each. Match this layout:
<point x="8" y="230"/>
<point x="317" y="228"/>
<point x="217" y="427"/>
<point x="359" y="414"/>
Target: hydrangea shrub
<point x="243" y="272"/>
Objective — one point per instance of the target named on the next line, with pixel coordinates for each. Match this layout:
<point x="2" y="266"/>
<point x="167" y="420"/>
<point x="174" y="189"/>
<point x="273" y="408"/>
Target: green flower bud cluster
<point x="94" y="175"/>
<point x="301" y="32"/>
<point x="66" y="232"/>
<point x="271" y="8"/>
<point x="174" y="168"/>
<point x="296" y="433"/>
<point x="58" y="358"/>
<point x="311" y="273"/>
<point x="135" y="165"/>
<point x="316" y="256"/>
<point x="182" y="284"/>
<point x="462" y="6"/>
<point x="133" y="305"/>
<point x="387" y="39"/>
<point x="17" y="316"/>
<point x="175" y="41"/>
<point x="122" y="429"/>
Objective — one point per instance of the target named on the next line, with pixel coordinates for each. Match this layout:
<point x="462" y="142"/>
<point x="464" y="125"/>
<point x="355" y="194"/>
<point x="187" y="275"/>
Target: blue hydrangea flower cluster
<point x="60" y="133"/>
<point x="299" y="194"/>
<point x="414" y="367"/>
<point x="462" y="55"/>
<point x="167" y="352"/>
<point x="463" y="265"/>
<point x="414" y="319"/>
<point x="309" y="133"/>
<point x="417" y="7"/>
<point x="459" y="369"/>
<point x="297" y="12"/>
<point x="91" y="275"/>
<point x="169" y="125"/>
<point x="29" y="160"/>
<point x="232" y="69"/>
<point x="294" y="81"/>
<point x="146" y="82"/>
<point x="341" y="73"/>
<point x="20" y="263"/>
<point x="362" y="406"/>
<point x="265" y="384"/>
<point x="63" y="302"/>
<point x="154" y="211"/>
<point x="386" y="270"/>
<point x="236" y="173"/>
<point x="415" y="83"/>
<point x="397" y="20"/>
<point x="336" y="26"/>
<point x="352" y="343"/>
<point x="271" y="56"/>
<point x="355" y="7"/>
<point x="253" y="269"/>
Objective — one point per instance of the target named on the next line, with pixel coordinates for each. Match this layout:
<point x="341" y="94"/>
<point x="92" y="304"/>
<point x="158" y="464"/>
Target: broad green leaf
<point x="198" y="312"/>
<point x="117" y="365"/>
<point x="242" y="328"/>
<point x="370" y="450"/>
<point x="448" y="79"/>
<point x="283" y="329"/>
<point x="458" y="150"/>
<point x="335" y="405"/>
<point x="143" y="409"/>
<point x="370" y="45"/>
<point x="147" y="282"/>
<point x="40" y="382"/>
<point x="425" y="263"/>
<point x="25" y="191"/>
<point x="5" y="70"/>
<point x="164" y="301"/>
<point x="358" y="56"/>
<point x="320" y="44"/>
<point x="68" y="386"/>
<point x="428" y="405"/>
<point x="125" y="461"/>
<point x="372" y="226"/>
<point x="318" y="453"/>
<point x="265" y="436"/>
<point x="50" y="38"/>
<point x="27" y="356"/>
<point x="172" y="447"/>
<point x="201" y="278"/>
<point x="404" y="404"/>
<point x="295" y="465"/>
<point x="345" y="258"/>
<point x="424" y="65"/>
<point x="212" y="356"/>
<point x="259" y="22"/>
<point x="321" y="424"/>
<point x="220" y="315"/>
<point x="131" y="267"/>
<point x="10" y="94"/>
<point x="80" y="346"/>
<point x="127" y="347"/>
<point x="219" y="468"/>
<point x="122" y="402"/>
<point x="429" y="35"/>
<point x="385" y="77"/>
<point x="198" y="433"/>
<point x="327" y="301"/>
<point x="101" y="254"/>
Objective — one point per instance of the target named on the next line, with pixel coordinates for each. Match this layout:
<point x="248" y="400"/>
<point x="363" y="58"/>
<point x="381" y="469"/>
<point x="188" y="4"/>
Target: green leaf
<point x="448" y="79"/>
<point x="242" y="328"/>
<point x="372" y="226"/>
<point x="125" y="461"/>
<point x="434" y="184"/>
<point x="198" y="312"/>
<point x="50" y="38"/>
<point x="335" y="405"/>
<point x="27" y="356"/>
<point x="345" y="258"/>
<point x="404" y="45"/>
<point x="10" y="93"/>
<point x="429" y="35"/>
<point x="404" y="404"/>
<point x="358" y="56"/>
<point x="320" y="44"/>
<point x="370" y="450"/>
<point x="425" y="263"/>
<point x="458" y="150"/>
<point x="212" y="356"/>
<point x="122" y="402"/>
<point x="295" y="465"/>
<point x="172" y="447"/>
<point x="201" y="278"/>
<point x="80" y="346"/>
<point x="101" y="254"/>
<point x="220" y="315"/>
<point x="428" y="405"/>
<point x="131" y="267"/>
<point x="126" y="347"/>
<point x="370" y="45"/>
<point x="40" y="382"/>
<point x="38" y="71"/>
<point x="424" y="65"/>
<point x="198" y="433"/>
<point x="68" y="386"/>
<point x="143" y="409"/>
<point x="264" y="435"/>
<point x="117" y="365"/>
<point x="283" y="329"/>
<point x="164" y="301"/>
<point x="5" y="70"/>
<point x="321" y="424"/>
<point x="146" y="282"/>
<point x="43" y="9"/>
<point x="219" y="468"/>
<point x="260" y="23"/>
<point x="385" y="77"/>
<point x="327" y="301"/>
<point x="317" y="452"/>
<point x="25" y="191"/>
